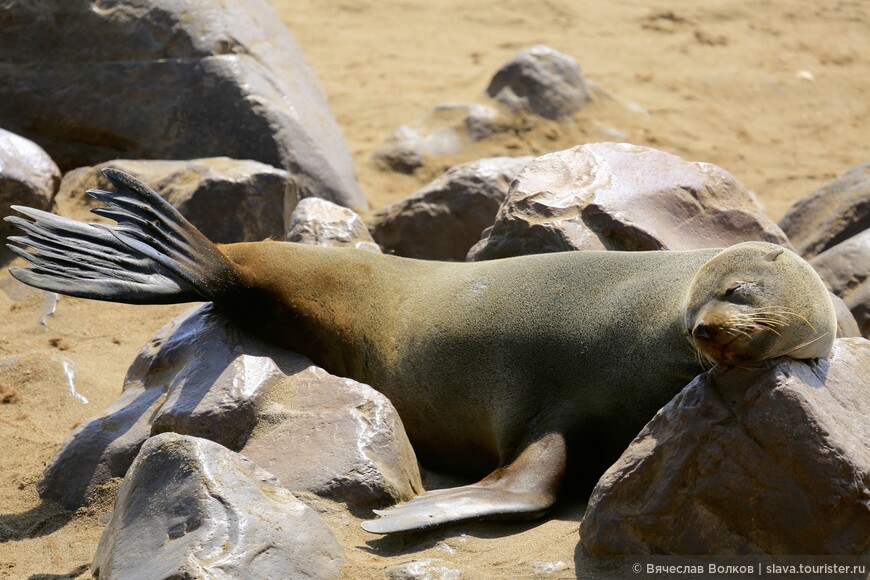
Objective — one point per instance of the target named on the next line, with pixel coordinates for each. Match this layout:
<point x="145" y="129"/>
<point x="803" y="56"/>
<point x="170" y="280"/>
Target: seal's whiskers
<point x="801" y="345"/>
<point x="781" y="311"/>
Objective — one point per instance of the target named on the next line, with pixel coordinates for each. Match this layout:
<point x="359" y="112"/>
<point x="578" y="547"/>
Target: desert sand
<point x="773" y="91"/>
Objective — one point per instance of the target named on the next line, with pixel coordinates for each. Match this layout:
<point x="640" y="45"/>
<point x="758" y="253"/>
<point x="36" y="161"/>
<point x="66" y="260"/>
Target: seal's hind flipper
<point x="523" y="489"/>
<point x="447" y="506"/>
<point x="87" y="261"/>
<point x="152" y="256"/>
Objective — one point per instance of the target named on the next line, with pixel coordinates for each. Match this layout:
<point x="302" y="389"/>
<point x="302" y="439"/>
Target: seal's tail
<point x="153" y="255"/>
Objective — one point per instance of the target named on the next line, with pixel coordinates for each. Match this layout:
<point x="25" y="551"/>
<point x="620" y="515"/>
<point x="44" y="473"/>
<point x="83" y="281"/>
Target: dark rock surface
<point x="446" y="217"/>
<point x="773" y="461"/>
<point x="847" y="326"/>
<point x="229" y="200"/>
<point x="831" y="214"/>
<point x="216" y="79"/>
<point x="845" y="268"/>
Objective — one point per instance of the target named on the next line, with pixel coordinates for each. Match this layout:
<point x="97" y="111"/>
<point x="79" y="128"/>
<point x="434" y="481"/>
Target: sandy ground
<point x="773" y="91"/>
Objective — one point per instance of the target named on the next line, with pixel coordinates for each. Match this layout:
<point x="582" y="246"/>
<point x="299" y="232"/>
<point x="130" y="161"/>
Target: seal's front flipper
<point x="525" y="488"/>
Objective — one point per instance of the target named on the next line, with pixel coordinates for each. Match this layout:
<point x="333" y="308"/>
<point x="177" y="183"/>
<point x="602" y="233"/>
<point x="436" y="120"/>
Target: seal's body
<point x="470" y="354"/>
<point x="494" y="366"/>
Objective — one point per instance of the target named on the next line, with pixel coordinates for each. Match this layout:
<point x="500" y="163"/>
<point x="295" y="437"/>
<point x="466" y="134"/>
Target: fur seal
<point x="497" y="367"/>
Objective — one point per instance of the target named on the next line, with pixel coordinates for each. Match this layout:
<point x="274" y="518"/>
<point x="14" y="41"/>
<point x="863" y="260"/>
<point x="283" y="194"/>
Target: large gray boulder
<point x="542" y="81"/>
<point x="775" y="461"/>
<point x="229" y="200"/>
<point x="615" y="196"/>
<point x="169" y="79"/>
<point x="190" y="508"/>
<point x="28" y="176"/>
<point x="831" y="214"/>
<point x="845" y="268"/>
<point x="446" y="217"/>
<point x="202" y="376"/>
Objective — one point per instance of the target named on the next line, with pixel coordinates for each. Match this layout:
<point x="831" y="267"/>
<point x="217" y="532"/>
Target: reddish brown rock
<point x="445" y="218"/>
<point x="831" y="214"/>
<point x="772" y="461"/>
<point x="229" y="200"/>
<point x="622" y="197"/>
<point x="845" y="268"/>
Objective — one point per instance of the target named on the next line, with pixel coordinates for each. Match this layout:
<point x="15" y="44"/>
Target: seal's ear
<point x="772" y="256"/>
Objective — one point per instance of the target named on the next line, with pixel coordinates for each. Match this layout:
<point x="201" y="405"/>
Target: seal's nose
<point x="701" y="330"/>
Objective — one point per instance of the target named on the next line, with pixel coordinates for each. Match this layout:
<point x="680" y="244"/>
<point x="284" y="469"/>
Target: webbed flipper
<point x="523" y="489"/>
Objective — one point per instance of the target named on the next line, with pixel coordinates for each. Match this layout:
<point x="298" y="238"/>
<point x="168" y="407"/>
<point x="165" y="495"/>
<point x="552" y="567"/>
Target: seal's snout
<point x="701" y="330"/>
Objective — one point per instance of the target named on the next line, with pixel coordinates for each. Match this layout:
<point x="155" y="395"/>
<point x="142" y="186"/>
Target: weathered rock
<point x="541" y="80"/>
<point x="28" y="176"/>
<point x="445" y="218"/>
<point x="322" y="223"/>
<point x="216" y="79"/>
<point x="617" y="196"/>
<point x="847" y="326"/>
<point x="337" y="438"/>
<point x="772" y="461"/>
<point x="831" y="214"/>
<point x="424" y="570"/>
<point x="229" y="200"/>
<point x="845" y="268"/>
<point x="202" y="376"/>
<point x="190" y="508"/>
<point x="104" y="447"/>
<point x="216" y="378"/>
<point x="446" y="130"/>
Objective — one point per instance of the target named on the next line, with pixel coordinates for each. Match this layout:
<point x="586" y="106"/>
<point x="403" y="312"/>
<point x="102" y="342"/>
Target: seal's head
<point x="757" y="301"/>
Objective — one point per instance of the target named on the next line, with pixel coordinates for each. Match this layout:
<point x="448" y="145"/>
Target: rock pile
<point x="614" y="196"/>
<point x="203" y="377"/>
<point x="539" y="82"/>
<point x="767" y="461"/>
